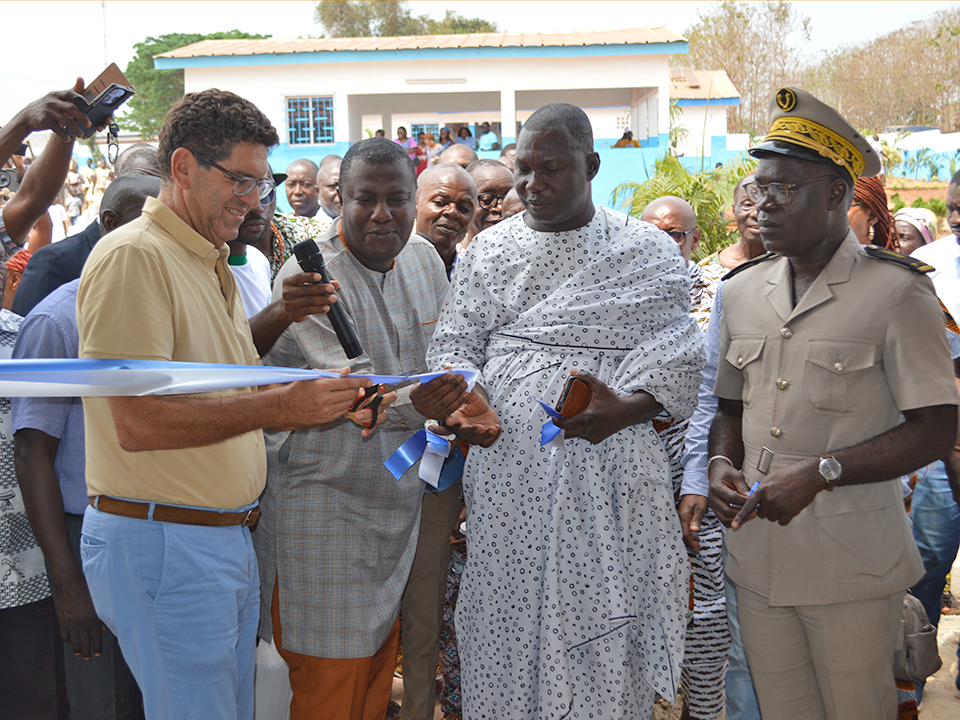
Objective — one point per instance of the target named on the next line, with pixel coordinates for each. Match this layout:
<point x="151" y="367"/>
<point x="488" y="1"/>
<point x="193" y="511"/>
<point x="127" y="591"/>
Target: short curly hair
<point x="211" y="123"/>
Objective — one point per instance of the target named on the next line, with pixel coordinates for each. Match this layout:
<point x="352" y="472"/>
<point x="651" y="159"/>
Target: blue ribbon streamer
<point x="405" y="456"/>
<point x="452" y="470"/>
<point x="408" y="454"/>
<point x="548" y="431"/>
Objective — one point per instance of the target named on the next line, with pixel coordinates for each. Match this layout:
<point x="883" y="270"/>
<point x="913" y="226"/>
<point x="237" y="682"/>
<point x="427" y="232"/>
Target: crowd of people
<point x="723" y="513"/>
<point x="426" y="150"/>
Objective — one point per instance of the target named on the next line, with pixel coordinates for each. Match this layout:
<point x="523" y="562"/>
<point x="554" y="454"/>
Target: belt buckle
<point x="246" y="519"/>
<point x="765" y="460"/>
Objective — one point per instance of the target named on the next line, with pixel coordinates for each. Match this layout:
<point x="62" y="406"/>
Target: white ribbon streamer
<point x="106" y="378"/>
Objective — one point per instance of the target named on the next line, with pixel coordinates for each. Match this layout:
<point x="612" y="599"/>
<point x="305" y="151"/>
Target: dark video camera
<point x="8" y="179"/>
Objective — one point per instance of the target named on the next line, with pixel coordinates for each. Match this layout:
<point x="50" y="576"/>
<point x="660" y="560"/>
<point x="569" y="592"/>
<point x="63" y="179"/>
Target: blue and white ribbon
<point x="105" y="378"/>
<point x="112" y="378"/>
<point x="550" y="434"/>
<point x="441" y="462"/>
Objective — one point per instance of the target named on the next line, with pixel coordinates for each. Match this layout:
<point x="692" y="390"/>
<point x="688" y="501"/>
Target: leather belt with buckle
<point x="174" y="513"/>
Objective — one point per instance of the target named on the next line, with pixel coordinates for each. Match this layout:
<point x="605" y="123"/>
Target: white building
<point x="326" y="94"/>
<point x="703" y="97"/>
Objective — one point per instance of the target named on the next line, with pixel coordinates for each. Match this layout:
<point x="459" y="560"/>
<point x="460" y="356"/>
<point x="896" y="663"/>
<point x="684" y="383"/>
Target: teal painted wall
<point x="617" y="165"/>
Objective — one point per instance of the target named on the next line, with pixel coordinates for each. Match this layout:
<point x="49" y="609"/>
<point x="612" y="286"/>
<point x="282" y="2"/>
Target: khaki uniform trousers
<point x="421" y="609"/>
<point x="822" y="662"/>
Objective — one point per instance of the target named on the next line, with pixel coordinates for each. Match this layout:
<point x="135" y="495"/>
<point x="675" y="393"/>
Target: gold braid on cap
<point x="822" y="140"/>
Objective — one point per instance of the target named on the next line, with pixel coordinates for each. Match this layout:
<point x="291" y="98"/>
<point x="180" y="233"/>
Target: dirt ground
<point x="665" y="711"/>
<point x="939" y="700"/>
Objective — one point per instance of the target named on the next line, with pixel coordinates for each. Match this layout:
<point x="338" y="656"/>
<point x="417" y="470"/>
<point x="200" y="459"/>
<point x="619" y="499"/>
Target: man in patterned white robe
<point x="574" y="594"/>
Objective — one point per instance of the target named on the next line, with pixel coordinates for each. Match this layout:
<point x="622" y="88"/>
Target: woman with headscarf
<point x="914" y="227"/>
<point x="869" y="216"/>
<point x="445" y="139"/>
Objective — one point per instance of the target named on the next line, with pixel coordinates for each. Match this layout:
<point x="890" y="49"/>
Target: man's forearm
<point x="726" y="433"/>
<point x="268" y="325"/>
<point x="175" y="422"/>
<point x="39" y="189"/>
<point x="34" y="454"/>
<point x="12" y="136"/>
<point x="926" y="434"/>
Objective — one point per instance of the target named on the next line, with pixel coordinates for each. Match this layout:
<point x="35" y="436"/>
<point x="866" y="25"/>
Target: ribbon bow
<point x="441" y="462"/>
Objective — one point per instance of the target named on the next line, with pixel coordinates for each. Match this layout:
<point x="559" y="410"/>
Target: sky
<point x="57" y="41"/>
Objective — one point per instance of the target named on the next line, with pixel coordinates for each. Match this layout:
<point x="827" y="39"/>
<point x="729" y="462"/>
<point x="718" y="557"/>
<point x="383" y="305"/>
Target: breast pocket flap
<point x="744" y="350"/>
<point x="842" y="356"/>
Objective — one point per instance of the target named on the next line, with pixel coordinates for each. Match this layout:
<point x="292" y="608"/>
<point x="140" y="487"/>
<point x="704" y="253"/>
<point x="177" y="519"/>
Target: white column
<point x="508" y="116"/>
<point x="638" y="113"/>
<point x="354" y="118"/>
<point x="658" y="113"/>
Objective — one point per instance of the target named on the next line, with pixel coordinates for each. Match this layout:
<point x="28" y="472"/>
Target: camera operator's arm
<point x="43" y="181"/>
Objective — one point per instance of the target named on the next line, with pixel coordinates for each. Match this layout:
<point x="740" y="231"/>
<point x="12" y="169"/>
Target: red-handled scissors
<point x="377" y="392"/>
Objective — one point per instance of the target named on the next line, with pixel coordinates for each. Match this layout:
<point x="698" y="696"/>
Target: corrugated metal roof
<point x="688" y="84"/>
<point x="631" y="36"/>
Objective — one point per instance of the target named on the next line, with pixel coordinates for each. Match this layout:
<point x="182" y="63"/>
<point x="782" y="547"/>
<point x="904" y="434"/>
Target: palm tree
<point x="709" y="193"/>
<point x="678" y="133"/>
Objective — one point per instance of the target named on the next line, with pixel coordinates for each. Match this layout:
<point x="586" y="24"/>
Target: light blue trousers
<point x="742" y="701"/>
<point x="184" y="602"/>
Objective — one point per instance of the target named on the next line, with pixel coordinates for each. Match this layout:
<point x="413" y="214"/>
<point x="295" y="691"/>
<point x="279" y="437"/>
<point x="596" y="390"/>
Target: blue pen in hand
<point x="752" y="491"/>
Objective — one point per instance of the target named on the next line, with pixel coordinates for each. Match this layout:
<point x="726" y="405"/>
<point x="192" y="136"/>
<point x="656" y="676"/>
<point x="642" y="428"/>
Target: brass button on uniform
<point x="776" y="432"/>
<point x="739" y="359"/>
<point x="786" y="333"/>
<point x="838" y="367"/>
<point x="782" y="384"/>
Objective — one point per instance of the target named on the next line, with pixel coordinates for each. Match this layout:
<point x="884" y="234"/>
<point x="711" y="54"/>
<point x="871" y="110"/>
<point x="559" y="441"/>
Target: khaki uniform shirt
<point x="865" y="343"/>
<point x="155" y="289"/>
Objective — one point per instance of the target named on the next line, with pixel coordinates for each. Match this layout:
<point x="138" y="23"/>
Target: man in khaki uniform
<point x="824" y="344"/>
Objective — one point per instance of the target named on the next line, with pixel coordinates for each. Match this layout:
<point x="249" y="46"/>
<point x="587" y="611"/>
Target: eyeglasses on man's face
<point x="679" y="235"/>
<point x="488" y="201"/>
<point x="778" y="192"/>
<point x="266" y="188"/>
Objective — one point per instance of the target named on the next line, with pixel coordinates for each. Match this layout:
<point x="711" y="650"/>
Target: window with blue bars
<point x="310" y="120"/>
<point x="416" y="129"/>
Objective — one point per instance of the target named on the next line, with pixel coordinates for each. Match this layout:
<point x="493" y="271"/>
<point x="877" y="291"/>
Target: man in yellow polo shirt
<point x="174" y="481"/>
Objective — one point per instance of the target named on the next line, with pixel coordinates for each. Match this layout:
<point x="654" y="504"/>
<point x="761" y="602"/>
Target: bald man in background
<point x="458" y="155"/>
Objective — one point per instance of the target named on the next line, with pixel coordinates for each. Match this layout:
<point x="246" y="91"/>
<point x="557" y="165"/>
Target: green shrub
<point x="937" y="206"/>
<point x="710" y="194"/>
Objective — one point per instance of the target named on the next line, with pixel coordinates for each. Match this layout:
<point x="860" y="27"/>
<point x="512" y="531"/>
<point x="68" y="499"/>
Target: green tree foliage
<point x="710" y="194"/>
<point x="390" y="18"/>
<point x="759" y="47"/>
<point x="158" y="90"/>
<point x="678" y="133"/>
<point x="456" y="24"/>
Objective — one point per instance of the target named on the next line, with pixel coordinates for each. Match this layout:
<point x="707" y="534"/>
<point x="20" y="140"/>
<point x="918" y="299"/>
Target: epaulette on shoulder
<point x="918" y="266"/>
<point x="750" y="263"/>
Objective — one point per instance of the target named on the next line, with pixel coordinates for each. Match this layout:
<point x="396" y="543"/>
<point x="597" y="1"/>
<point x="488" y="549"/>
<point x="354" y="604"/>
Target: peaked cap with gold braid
<point x="803" y="127"/>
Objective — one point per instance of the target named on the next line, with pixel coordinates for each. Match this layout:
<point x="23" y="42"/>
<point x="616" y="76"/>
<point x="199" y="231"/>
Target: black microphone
<point x="310" y="259"/>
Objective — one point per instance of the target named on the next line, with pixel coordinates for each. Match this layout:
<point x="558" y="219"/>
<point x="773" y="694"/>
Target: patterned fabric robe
<point x="574" y="594"/>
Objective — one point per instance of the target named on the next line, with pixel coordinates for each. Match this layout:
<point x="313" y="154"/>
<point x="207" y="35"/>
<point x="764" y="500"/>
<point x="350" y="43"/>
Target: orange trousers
<point x="332" y="689"/>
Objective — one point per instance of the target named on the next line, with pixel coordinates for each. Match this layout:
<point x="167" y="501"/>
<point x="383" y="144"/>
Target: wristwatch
<point x="829" y="469"/>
